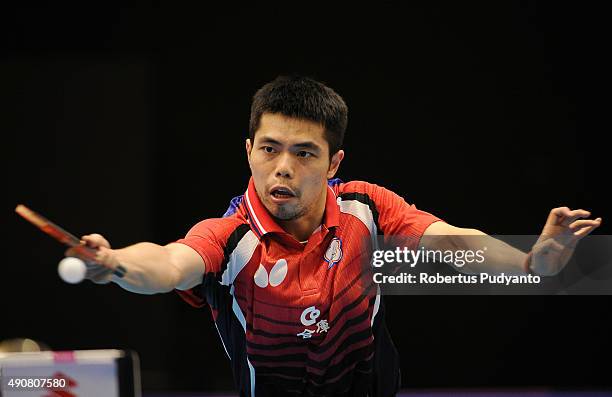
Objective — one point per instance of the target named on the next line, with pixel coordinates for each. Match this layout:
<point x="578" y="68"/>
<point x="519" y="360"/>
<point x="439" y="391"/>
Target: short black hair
<point x="303" y="98"/>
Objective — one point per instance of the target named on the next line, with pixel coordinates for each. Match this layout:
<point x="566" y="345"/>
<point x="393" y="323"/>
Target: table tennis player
<point x="279" y="269"/>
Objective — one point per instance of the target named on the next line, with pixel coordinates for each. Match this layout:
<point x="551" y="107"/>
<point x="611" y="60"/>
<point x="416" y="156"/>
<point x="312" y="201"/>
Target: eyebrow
<point x="301" y="145"/>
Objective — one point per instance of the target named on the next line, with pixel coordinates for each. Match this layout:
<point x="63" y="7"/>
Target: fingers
<point x="99" y="258"/>
<point x="564" y="216"/>
<point x="585" y="222"/>
<point x="556" y="215"/>
<point x="585" y="227"/>
<point x="71" y="252"/>
<point x="102" y="258"/>
<point x="98" y="274"/>
<point x="106" y="256"/>
<point x="95" y="240"/>
<point x="90" y="243"/>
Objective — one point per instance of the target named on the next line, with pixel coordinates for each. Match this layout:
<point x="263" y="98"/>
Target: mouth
<point x="281" y="193"/>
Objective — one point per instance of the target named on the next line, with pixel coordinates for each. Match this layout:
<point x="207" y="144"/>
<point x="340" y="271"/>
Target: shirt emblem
<point x="275" y="278"/>
<point x="309" y="317"/>
<point x="333" y="254"/>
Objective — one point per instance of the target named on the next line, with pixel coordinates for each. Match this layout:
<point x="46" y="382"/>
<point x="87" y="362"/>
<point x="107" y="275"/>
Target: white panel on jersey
<point x="376" y="304"/>
<point x="240" y="257"/>
<point x="240" y="316"/>
<point x="363" y="212"/>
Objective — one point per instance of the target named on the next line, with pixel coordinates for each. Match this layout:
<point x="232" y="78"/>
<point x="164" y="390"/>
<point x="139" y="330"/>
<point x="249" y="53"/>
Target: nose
<point x="284" y="166"/>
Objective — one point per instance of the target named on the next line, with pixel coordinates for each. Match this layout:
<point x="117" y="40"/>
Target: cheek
<point x="313" y="182"/>
<point x="258" y="173"/>
<point x="258" y="166"/>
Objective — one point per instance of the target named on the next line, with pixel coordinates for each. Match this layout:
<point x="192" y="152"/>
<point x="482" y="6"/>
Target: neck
<point x="303" y="227"/>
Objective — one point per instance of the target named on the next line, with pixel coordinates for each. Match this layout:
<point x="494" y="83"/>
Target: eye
<point x="267" y="149"/>
<point x="305" y="154"/>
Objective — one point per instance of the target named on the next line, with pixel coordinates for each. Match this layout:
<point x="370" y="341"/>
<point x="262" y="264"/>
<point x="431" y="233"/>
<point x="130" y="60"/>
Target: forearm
<point x="149" y="268"/>
<point x="499" y="257"/>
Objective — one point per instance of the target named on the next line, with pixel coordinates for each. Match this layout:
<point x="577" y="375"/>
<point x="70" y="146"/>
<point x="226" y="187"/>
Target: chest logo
<point x="333" y="254"/>
<point x="309" y="317"/>
<point x="275" y="278"/>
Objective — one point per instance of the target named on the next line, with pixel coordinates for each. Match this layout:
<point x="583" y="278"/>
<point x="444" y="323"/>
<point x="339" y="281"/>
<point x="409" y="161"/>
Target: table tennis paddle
<point x="55" y="231"/>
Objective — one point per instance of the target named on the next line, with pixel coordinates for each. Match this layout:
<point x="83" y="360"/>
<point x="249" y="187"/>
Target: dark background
<point x="131" y="122"/>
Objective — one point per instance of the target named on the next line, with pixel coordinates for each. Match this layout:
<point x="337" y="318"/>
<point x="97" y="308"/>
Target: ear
<point x="248" y="148"/>
<point x="335" y="163"/>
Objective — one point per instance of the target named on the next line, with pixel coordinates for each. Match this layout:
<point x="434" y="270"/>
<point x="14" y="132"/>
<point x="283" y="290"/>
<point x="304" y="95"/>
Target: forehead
<point x="289" y="130"/>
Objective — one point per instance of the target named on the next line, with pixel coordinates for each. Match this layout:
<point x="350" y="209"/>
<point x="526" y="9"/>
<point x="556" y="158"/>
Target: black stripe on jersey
<point x="344" y="310"/>
<point x="234" y="339"/>
<point x="387" y="376"/>
<point x="365" y="199"/>
<point x="232" y="241"/>
<point x="272" y="335"/>
<point x="219" y="298"/>
<point x="200" y="289"/>
<point x="303" y="357"/>
<point x="230" y="329"/>
<point x="299" y="342"/>
<point x="355" y="383"/>
<point x="328" y="344"/>
<point x="359" y="357"/>
<point x="355" y="337"/>
<point x="365" y="292"/>
<point x="208" y="289"/>
<point x="320" y="348"/>
<point x="324" y="314"/>
<point x="205" y="290"/>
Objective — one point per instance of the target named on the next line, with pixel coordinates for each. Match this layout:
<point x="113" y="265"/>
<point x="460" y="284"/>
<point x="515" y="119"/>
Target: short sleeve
<point x="208" y="238"/>
<point x="205" y="239"/>
<point x="395" y="217"/>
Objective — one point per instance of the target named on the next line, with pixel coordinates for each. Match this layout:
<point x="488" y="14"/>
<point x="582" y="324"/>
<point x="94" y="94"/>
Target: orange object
<point x="55" y="231"/>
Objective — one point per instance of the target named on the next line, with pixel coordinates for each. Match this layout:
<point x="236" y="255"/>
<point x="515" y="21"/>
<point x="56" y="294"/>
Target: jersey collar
<point x="262" y="222"/>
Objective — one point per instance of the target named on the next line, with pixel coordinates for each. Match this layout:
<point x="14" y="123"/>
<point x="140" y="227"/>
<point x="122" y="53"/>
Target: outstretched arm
<point x="500" y="257"/>
<point x="148" y="268"/>
<point x="553" y="250"/>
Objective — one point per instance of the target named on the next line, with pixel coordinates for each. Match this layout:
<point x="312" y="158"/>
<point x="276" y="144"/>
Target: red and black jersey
<point x="294" y="317"/>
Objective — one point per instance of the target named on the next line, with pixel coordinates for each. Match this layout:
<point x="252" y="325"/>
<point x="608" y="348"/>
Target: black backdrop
<point x="131" y="122"/>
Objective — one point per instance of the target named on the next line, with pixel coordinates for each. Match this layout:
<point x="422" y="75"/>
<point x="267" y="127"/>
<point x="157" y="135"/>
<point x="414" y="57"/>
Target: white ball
<point x="72" y="270"/>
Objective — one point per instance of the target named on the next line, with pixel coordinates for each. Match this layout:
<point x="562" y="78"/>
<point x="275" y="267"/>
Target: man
<point x="280" y="269"/>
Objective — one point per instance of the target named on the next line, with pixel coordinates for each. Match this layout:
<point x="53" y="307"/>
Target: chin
<point x="285" y="213"/>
